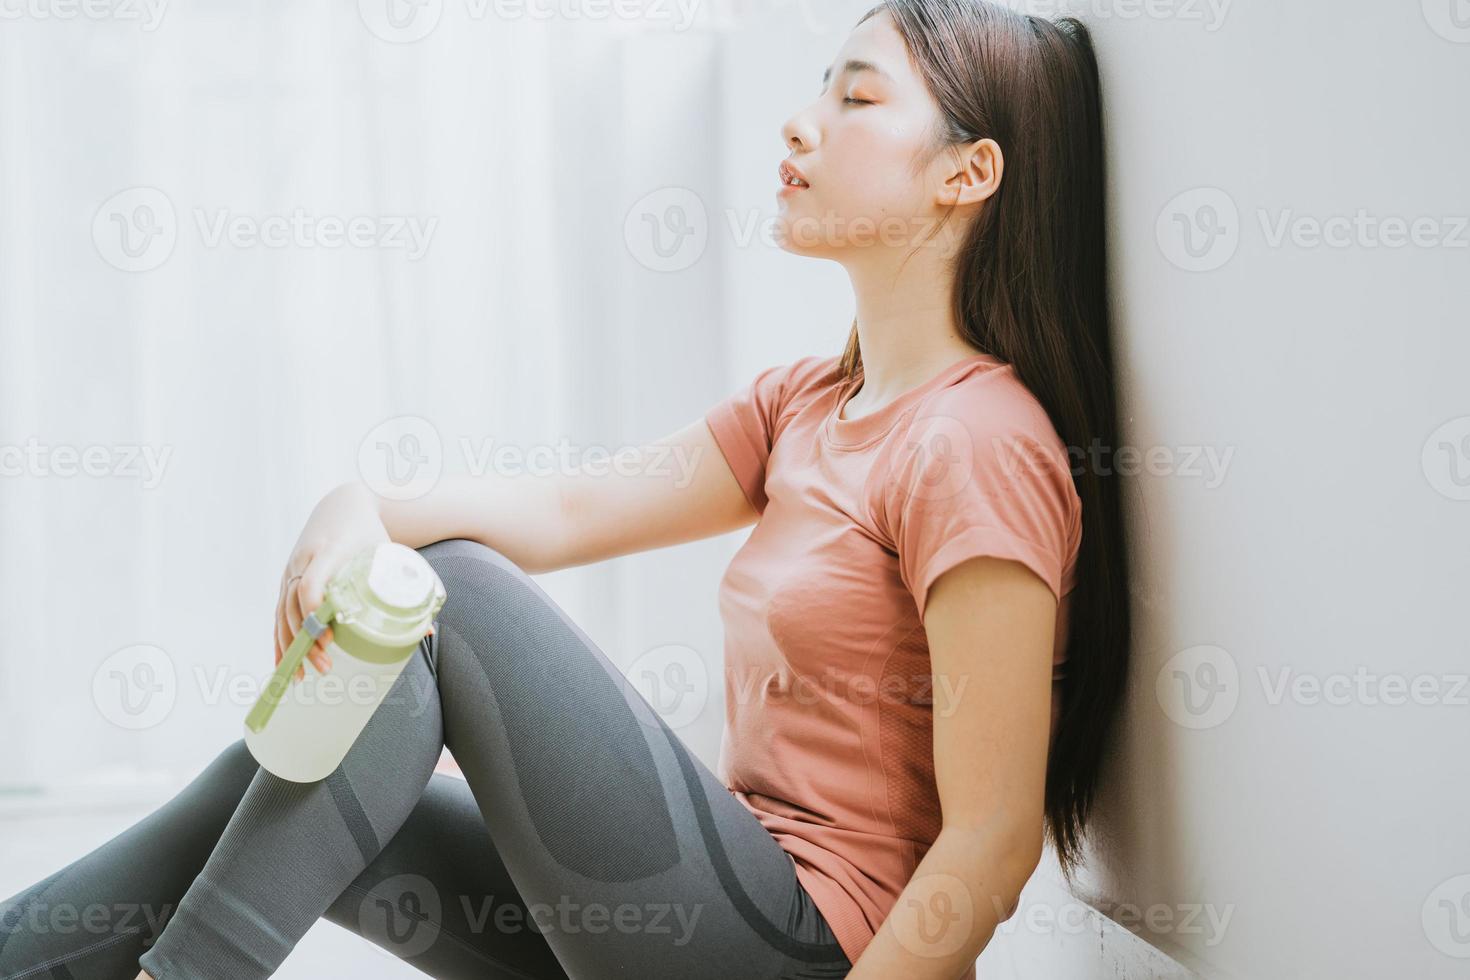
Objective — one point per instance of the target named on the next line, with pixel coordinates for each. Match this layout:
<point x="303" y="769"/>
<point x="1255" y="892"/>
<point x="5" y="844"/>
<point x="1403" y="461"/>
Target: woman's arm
<point x="991" y="626"/>
<point x="676" y="489"/>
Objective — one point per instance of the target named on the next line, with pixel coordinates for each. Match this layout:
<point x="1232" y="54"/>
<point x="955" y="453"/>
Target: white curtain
<point x="236" y="239"/>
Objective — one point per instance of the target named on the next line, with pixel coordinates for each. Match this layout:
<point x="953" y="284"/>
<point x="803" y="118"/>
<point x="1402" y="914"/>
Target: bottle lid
<point x="399" y="577"/>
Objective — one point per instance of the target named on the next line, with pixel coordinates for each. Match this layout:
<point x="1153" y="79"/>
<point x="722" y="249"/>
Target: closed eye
<point x="858" y="101"/>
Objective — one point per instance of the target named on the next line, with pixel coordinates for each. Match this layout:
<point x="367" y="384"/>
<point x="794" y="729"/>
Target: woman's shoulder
<point x="990" y="400"/>
<point x="813" y="371"/>
<point x="796" y="383"/>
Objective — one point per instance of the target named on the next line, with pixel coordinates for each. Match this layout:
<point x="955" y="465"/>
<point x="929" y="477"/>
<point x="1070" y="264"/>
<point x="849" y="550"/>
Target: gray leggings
<point x="588" y="842"/>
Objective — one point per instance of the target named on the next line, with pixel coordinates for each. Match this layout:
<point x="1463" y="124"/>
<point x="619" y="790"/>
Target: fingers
<point x="285" y="629"/>
<point x="303" y="592"/>
<point x="319" y="657"/>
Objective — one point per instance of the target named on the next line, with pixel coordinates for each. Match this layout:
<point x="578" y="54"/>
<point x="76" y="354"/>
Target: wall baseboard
<point x="1055" y="934"/>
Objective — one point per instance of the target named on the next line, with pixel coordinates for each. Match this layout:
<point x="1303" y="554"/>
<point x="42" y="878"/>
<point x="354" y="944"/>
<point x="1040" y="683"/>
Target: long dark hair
<point x="1031" y="289"/>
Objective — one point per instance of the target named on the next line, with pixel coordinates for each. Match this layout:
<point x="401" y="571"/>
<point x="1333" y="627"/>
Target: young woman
<point x="901" y="734"/>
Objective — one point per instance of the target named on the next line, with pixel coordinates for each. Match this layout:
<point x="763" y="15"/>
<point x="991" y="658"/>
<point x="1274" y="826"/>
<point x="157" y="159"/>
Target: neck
<point x="905" y="320"/>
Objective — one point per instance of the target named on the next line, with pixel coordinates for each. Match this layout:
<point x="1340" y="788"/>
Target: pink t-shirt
<point x="828" y="692"/>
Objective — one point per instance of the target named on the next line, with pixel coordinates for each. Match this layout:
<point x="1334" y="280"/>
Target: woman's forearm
<point x="967" y="884"/>
<point x="519" y="516"/>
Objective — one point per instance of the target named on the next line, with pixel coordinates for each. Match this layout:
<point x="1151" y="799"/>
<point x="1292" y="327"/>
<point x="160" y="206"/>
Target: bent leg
<point x="618" y="850"/>
<point x="637" y="857"/>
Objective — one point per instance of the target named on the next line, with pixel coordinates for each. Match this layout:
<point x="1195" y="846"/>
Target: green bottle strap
<point x="275" y="688"/>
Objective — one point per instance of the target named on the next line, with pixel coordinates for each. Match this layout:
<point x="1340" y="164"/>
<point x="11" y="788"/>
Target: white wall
<point x="1329" y="828"/>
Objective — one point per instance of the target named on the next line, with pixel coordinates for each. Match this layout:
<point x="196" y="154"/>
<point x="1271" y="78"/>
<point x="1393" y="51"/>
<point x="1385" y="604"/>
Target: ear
<point x="975" y="176"/>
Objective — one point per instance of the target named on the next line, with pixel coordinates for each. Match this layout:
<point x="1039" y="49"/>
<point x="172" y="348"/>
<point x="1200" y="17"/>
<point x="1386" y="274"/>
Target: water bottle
<point x="380" y="605"/>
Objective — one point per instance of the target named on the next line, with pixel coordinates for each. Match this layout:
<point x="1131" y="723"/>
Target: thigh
<point x="634" y="855"/>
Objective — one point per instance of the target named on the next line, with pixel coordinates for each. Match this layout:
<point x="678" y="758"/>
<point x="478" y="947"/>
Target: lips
<point x="791" y="176"/>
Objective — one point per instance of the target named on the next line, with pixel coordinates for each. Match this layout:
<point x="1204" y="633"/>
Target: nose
<point x="799" y="134"/>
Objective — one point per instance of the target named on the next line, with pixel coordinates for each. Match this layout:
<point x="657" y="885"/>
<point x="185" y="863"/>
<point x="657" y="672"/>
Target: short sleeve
<point x="978" y="477"/>
<point x="745" y="425"/>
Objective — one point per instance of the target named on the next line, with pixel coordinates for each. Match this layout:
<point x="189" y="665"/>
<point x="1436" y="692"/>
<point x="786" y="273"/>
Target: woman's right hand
<point x="345" y="522"/>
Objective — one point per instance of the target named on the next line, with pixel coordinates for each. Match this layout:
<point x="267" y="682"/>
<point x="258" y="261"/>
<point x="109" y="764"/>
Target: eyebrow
<point x="855" y="66"/>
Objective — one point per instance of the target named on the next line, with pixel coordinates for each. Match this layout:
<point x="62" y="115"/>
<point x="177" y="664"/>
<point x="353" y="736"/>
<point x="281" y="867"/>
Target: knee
<point x="480" y="581"/>
<point x="470" y="564"/>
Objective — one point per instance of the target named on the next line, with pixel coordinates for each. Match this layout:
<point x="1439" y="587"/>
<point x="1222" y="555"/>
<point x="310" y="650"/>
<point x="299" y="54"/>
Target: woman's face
<point x="857" y="145"/>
